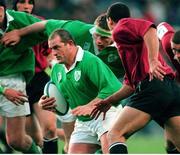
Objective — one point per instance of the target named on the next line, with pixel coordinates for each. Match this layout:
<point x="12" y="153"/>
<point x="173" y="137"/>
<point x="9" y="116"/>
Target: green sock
<point x="99" y="151"/>
<point x="34" y="149"/>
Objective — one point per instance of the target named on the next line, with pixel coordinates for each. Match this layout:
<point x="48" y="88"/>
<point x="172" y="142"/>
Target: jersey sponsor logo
<point x="59" y="76"/>
<point x="77" y="75"/>
<point x="161" y="31"/>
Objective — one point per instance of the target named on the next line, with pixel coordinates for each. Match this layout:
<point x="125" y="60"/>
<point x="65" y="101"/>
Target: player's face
<point x="176" y="51"/>
<point x="59" y="49"/>
<point x="2" y="14"/>
<point x="101" y="41"/>
<point x="25" y="6"/>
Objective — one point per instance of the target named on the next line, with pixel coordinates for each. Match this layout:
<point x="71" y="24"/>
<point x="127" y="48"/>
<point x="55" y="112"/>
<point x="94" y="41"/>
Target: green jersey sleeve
<point x="20" y="20"/>
<point x="102" y="77"/>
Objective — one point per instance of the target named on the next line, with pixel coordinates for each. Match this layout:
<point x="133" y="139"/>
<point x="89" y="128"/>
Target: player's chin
<point x="100" y="48"/>
<point x="59" y="61"/>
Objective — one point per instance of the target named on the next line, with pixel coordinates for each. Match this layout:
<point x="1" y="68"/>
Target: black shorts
<point x="35" y="88"/>
<point x="160" y="99"/>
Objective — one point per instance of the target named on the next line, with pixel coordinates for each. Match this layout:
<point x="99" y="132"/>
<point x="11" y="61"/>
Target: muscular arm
<point x="121" y="94"/>
<point x="13" y="37"/>
<point x="34" y="28"/>
<point x="152" y="43"/>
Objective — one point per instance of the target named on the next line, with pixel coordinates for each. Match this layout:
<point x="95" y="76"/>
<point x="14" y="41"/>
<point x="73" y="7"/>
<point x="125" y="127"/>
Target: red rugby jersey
<point x="41" y="51"/>
<point x="165" y="33"/>
<point x="128" y="35"/>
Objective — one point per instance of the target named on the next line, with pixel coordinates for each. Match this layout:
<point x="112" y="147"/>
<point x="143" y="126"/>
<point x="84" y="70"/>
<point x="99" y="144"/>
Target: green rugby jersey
<point x="79" y="31"/>
<point x="90" y="78"/>
<point x="19" y="58"/>
<point x="110" y="57"/>
<point x="83" y="37"/>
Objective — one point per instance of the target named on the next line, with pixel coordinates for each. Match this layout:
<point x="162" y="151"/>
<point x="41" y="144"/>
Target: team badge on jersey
<point x="87" y="46"/>
<point x="161" y="31"/>
<point x="112" y="58"/>
<point x="77" y="75"/>
<point x="59" y="76"/>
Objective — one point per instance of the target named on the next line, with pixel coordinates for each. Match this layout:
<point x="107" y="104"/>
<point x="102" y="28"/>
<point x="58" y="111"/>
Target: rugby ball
<point x="51" y="90"/>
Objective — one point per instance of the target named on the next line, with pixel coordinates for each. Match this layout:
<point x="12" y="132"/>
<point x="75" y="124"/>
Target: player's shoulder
<point x="164" y="28"/>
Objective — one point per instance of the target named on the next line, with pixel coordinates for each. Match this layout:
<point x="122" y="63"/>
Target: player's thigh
<point x="15" y="127"/>
<point x="104" y="143"/>
<point x="85" y="148"/>
<point x="32" y="125"/>
<point x="128" y="121"/>
<point x="46" y="118"/>
<point x="172" y="129"/>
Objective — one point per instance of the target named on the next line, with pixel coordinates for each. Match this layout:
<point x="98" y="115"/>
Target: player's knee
<point x="115" y="133"/>
<point x="50" y="131"/>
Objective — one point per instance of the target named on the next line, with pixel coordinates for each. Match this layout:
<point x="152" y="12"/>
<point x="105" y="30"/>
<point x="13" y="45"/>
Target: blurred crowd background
<point x="87" y="10"/>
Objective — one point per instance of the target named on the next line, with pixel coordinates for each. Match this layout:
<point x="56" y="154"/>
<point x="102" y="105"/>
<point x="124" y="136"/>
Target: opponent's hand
<point x="101" y="107"/>
<point x="47" y="103"/>
<point x="156" y="70"/>
<point x="11" y="38"/>
<point x="17" y="97"/>
<point x="84" y="110"/>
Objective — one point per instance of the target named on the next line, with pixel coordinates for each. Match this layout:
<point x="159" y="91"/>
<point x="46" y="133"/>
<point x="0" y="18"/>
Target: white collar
<point x="79" y="57"/>
<point x="9" y="19"/>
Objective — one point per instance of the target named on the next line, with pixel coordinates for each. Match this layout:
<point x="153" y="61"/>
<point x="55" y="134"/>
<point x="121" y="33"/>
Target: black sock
<point x="172" y="151"/>
<point x="118" y="148"/>
<point x="50" y="146"/>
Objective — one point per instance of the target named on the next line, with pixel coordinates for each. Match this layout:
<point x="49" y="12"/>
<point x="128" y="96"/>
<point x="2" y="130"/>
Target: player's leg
<point x="33" y="129"/>
<point x="68" y="128"/>
<point x="17" y="137"/>
<point x="47" y="121"/>
<point x="15" y="116"/>
<point x="5" y="148"/>
<point x="83" y="148"/>
<point x="172" y="129"/>
<point x="129" y="121"/>
<point x="83" y="140"/>
<point x="67" y="123"/>
<point x="170" y="147"/>
<point x="172" y="114"/>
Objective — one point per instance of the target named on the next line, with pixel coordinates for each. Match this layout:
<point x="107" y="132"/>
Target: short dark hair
<point x="63" y="34"/>
<point x="14" y="7"/>
<point x="117" y="11"/>
<point x="3" y="3"/>
<point x="101" y="21"/>
<point x="176" y="37"/>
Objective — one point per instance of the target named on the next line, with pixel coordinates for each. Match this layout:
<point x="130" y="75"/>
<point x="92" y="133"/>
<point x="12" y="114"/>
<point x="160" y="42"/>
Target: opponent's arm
<point x="152" y="44"/>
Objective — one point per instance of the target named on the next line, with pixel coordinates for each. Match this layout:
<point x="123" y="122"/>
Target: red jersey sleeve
<point x="131" y="30"/>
